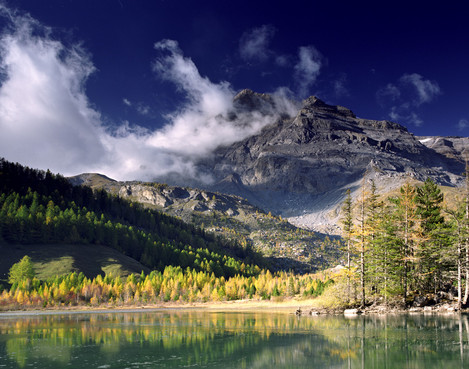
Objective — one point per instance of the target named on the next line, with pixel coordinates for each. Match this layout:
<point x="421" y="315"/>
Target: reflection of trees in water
<point x="240" y="340"/>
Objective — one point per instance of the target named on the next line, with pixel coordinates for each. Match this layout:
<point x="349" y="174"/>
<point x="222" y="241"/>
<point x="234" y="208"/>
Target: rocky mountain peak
<point x="248" y="100"/>
<point x="302" y="165"/>
<point x="315" y="104"/>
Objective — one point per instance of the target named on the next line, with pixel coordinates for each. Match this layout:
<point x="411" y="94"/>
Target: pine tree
<point x="466" y="232"/>
<point x="429" y="200"/>
<point x="382" y="244"/>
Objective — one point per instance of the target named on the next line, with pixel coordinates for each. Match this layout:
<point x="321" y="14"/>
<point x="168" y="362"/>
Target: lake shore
<point x="301" y="307"/>
<point x="289" y="306"/>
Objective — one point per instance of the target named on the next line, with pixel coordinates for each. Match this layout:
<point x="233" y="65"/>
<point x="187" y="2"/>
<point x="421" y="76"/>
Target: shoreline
<point x="304" y="307"/>
<point x="286" y="306"/>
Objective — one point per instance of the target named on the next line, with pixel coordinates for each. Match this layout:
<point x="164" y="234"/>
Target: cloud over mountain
<point x="47" y="120"/>
<point x="307" y="69"/>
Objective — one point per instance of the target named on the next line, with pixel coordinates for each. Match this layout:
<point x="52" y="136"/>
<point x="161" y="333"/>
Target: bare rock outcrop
<point x="301" y="166"/>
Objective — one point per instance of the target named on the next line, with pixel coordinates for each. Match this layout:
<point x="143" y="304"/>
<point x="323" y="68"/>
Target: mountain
<point x="300" y="166"/>
<point x="456" y="148"/>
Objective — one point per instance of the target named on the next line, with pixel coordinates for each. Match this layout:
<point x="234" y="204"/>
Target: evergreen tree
<point x="433" y="243"/>
<point x="361" y="234"/>
<point x="382" y="244"/>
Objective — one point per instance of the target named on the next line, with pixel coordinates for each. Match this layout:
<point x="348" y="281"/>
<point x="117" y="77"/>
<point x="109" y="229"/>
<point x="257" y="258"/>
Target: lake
<point x="190" y="339"/>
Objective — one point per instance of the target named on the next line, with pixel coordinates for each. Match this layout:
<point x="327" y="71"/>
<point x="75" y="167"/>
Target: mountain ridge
<point x="299" y="165"/>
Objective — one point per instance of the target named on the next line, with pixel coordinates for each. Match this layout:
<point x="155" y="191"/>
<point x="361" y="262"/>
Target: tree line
<point x="171" y="284"/>
<point x="407" y="244"/>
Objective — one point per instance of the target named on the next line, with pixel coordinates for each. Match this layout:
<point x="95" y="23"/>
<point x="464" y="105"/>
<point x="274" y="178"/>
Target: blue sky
<point x="131" y="88"/>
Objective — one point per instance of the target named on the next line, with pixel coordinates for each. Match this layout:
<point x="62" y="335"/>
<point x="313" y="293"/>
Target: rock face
<point x="301" y="166"/>
<point x="456" y="148"/>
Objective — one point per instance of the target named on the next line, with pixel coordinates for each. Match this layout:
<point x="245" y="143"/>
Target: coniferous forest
<point x="41" y="208"/>
<point x="407" y="245"/>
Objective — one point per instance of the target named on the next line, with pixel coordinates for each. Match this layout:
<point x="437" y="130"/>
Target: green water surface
<point x="162" y="339"/>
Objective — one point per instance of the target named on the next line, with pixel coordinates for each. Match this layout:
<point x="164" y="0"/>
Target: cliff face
<point x="454" y="148"/>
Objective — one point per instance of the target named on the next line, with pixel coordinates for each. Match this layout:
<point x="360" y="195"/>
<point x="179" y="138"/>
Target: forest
<point x="39" y="207"/>
<point x="173" y="284"/>
<point x="407" y="245"/>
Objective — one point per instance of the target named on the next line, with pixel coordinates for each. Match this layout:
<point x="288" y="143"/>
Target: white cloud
<point x="205" y="96"/>
<point x="424" y="89"/>
<point x="282" y="60"/>
<point x="44" y="113"/>
<point x="201" y="125"/>
<point x="46" y="120"/>
<point x="254" y="44"/>
<point x="463" y="124"/>
<point x="405" y="97"/>
<point x="398" y="114"/>
<point x="143" y="109"/>
<point x="339" y="86"/>
<point x="307" y="69"/>
<point x="140" y="107"/>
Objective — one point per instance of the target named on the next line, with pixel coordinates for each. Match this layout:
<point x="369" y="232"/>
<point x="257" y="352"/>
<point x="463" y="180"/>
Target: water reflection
<point x="232" y="340"/>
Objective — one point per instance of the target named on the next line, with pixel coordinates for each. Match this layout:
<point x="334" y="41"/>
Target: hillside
<point x="285" y="245"/>
<point x="50" y="260"/>
<point x="42" y="209"/>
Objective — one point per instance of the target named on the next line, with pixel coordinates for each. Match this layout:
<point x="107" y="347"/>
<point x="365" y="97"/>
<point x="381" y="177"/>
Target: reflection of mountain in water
<point x="232" y="341"/>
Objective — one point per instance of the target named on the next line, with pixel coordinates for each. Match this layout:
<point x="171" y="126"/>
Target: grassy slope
<point x="60" y="259"/>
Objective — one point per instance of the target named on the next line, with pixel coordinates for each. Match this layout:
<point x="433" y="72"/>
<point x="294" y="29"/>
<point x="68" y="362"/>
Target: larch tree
<point x="361" y="235"/>
<point x="405" y="219"/>
<point x="21" y="270"/>
<point x="347" y="227"/>
<point x="457" y="235"/>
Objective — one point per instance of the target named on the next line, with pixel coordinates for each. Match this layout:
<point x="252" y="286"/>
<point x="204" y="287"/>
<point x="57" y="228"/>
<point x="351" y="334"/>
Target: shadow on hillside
<point x="50" y="260"/>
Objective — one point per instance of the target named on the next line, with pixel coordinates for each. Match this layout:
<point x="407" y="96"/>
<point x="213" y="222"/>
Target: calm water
<point x="232" y="340"/>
